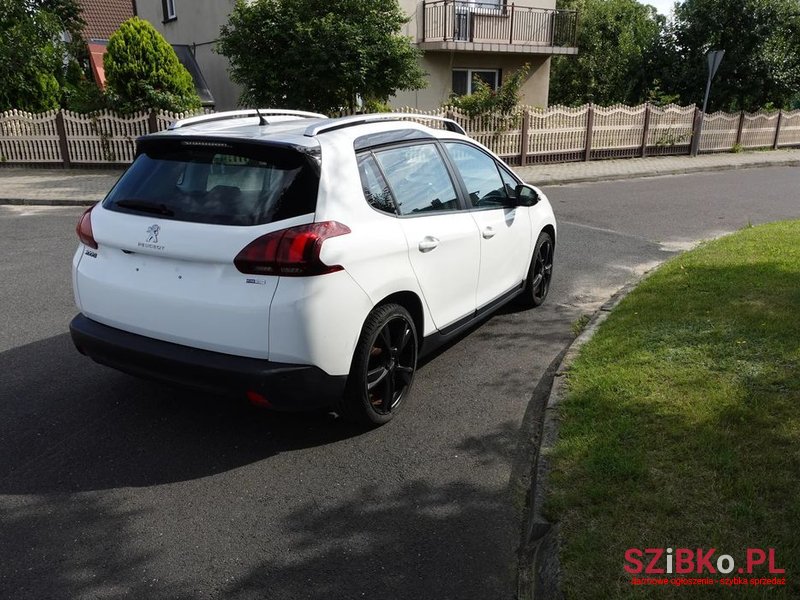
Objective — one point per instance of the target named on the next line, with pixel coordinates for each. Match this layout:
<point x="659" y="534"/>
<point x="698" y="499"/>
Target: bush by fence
<point x="526" y="136"/>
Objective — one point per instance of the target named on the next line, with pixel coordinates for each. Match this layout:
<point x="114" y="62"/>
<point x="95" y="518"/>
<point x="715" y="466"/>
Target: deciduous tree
<point x="319" y="54"/>
<point x="34" y="51"/>
<point x="617" y="42"/>
<point x="761" y="39"/>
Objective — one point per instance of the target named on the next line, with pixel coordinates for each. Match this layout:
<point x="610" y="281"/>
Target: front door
<point x="504" y="229"/>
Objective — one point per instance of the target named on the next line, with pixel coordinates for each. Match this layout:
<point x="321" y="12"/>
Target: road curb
<point x="542" y="538"/>
<point x="661" y="173"/>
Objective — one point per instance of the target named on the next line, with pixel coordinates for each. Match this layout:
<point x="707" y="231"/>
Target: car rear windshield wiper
<point x="145" y="206"/>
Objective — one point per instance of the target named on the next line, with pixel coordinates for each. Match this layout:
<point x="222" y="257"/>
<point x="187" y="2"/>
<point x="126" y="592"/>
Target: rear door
<point x="168" y="234"/>
<point x="443" y="241"/>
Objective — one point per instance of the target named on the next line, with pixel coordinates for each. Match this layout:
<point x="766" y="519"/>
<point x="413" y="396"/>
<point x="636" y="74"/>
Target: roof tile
<point x="103" y="17"/>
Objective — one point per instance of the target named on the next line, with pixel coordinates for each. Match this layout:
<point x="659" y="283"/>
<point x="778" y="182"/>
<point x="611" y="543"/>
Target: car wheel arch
<point x="413" y="304"/>
<point x="549" y="229"/>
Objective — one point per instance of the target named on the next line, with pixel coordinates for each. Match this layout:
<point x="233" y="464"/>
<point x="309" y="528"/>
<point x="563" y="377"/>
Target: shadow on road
<point x="419" y="541"/>
<point x="72" y="431"/>
<point x="448" y="539"/>
<point x="69" y="425"/>
<point x="69" y="430"/>
<point x="60" y="546"/>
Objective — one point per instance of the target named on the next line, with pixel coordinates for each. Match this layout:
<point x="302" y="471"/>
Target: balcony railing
<point x="497" y="23"/>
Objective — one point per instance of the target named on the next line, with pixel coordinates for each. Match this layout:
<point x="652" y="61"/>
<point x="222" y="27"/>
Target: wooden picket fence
<point x="528" y="135"/>
<point x="532" y="135"/>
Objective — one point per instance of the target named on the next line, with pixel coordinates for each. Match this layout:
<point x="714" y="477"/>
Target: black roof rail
<point x="353" y="120"/>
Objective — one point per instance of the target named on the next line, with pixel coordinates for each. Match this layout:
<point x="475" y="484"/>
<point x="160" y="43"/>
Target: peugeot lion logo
<point x="152" y="238"/>
<point x="152" y="234"/>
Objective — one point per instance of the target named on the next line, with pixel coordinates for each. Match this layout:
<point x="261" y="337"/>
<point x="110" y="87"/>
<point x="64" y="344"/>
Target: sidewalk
<point x="629" y="168"/>
<point x="55" y="187"/>
<point x="75" y="187"/>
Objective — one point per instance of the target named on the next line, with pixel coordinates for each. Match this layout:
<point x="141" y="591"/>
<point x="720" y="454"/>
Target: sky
<point x="662" y="6"/>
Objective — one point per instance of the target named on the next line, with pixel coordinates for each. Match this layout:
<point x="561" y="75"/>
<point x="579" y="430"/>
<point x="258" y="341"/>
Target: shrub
<point x="143" y="71"/>
<point x="484" y="100"/>
<point x="83" y="96"/>
<point x="376" y="106"/>
<point x="41" y="93"/>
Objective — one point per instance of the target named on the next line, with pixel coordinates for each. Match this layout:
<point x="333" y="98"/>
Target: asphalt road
<point x="112" y="486"/>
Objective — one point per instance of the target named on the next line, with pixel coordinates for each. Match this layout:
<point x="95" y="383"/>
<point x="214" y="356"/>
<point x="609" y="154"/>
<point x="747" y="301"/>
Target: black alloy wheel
<point x="383" y="366"/>
<point x="540" y="273"/>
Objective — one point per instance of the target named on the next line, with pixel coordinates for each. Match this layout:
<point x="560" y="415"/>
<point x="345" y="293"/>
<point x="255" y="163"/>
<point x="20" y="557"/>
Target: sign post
<point x="713" y="59"/>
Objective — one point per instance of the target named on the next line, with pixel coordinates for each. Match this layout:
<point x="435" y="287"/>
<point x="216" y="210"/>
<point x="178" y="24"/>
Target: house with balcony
<point x="461" y="40"/>
<point x="467" y="39"/>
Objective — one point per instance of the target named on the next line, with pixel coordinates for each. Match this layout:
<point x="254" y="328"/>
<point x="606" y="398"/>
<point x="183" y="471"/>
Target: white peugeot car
<point x="303" y="261"/>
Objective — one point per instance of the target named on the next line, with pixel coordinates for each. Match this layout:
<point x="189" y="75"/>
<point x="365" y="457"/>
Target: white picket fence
<point x="528" y="135"/>
<point x="561" y="133"/>
<point x="66" y="137"/>
<point x="29" y="138"/>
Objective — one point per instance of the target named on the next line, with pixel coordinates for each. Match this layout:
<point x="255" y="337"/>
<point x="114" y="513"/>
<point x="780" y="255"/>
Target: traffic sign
<point x="713" y="58"/>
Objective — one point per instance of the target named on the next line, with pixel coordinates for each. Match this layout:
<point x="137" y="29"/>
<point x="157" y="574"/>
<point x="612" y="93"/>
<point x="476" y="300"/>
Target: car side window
<point x="376" y="190"/>
<point x="418" y="179"/>
<point x="480" y="175"/>
<point x="509" y="182"/>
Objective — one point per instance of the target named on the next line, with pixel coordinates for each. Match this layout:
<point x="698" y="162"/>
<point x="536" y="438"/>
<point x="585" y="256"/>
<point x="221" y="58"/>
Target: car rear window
<point x="218" y="183"/>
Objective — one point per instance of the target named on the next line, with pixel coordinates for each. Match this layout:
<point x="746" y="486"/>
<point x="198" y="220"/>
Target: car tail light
<point x="84" y="229"/>
<point x="257" y="399"/>
<point x="292" y="252"/>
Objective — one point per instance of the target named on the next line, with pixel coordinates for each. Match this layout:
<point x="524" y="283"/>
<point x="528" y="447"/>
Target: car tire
<point x="540" y="273"/>
<point x="383" y="367"/>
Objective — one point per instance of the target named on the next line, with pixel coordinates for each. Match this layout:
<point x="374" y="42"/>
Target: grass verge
<point x="681" y="428"/>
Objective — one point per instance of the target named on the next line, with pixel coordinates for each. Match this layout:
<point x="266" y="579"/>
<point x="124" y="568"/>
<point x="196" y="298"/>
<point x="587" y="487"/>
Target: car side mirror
<point x="526" y="195"/>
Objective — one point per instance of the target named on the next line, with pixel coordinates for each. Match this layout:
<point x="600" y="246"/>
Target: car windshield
<point x="218" y="183"/>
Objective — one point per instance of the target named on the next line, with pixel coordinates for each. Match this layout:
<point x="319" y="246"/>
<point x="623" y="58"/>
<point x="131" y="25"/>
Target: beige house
<point x="462" y="40"/>
<point x="465" y="39"/>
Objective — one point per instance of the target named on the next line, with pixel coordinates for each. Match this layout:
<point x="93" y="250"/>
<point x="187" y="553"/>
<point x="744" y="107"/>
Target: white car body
<point x="175" y="281"/>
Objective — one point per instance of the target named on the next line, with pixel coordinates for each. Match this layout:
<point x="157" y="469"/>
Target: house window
<point x="169" y="10"/>
<point x="464" y="79"/>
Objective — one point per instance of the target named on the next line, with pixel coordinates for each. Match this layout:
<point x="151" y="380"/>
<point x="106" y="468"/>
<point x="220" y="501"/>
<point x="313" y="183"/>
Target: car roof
<point x="284" y="131"/>
<point x="295" y="130"/>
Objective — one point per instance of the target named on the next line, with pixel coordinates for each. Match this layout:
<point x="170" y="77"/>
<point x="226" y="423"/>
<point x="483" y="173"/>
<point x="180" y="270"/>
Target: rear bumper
<point x="285" y="386"/>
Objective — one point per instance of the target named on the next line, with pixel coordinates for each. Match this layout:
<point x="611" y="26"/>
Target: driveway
<point x="110" y="485"/>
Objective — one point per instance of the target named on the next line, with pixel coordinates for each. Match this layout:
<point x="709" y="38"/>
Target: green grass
<point x="682" y="424"/>
<point x="580" y="324"/>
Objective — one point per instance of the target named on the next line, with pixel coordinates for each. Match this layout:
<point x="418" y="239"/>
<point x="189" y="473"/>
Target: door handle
<point x="488" y="233"/>
<point x="428" y="243"/>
